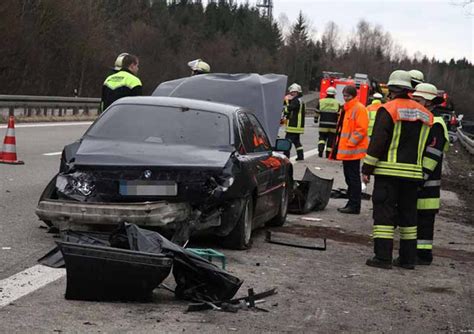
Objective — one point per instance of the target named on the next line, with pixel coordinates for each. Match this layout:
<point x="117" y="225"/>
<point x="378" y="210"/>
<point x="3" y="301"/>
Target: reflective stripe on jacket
<point x="296" y="114"/>
<point x="372" y="110"/>
<point x="398" y="140"/>
<point x="118" y="85"/>
<point x="351" y="138"/>
<point x="438" y="144"/>
<point x="328" y="113"/>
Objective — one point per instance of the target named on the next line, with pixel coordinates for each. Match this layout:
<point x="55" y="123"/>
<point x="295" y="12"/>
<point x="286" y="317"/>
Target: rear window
<point x="162" y="125"/>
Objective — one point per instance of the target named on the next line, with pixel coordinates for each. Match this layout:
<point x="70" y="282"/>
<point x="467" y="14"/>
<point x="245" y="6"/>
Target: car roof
<point x="178" y="102"/>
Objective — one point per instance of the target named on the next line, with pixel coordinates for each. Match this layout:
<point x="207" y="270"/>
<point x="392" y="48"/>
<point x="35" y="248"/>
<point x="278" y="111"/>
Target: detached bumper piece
<point x="311" y="194"/>
<point x="281" y="239"/>
<point x="111" y="274"/>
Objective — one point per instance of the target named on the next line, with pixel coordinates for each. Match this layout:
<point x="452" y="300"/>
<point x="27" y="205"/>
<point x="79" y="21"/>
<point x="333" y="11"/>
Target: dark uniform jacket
<point x="120" y="84"/>
<point x="295" y="113"/>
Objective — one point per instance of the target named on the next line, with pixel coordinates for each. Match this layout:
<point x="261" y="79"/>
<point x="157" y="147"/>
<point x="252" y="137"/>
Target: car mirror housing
<point x="282" y="145"/>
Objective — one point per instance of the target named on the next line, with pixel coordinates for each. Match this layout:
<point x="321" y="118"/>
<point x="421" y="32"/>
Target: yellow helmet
<point x="400" y="78"/>
<point x="417" y="76"/>
<point x="119" y="61"/>
<point x="200" y="66"/>
<point x="426" y="91"/>
<point x="331" y="91"/>
<point x="295" y="88"/>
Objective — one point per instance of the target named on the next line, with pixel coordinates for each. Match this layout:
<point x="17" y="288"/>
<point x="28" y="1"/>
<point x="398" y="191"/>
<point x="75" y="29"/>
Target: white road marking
<point x="53" y="153"/>
<point x="306" y="155"/>
<point x="27" y="281"/>
<point x="41" y="125"/>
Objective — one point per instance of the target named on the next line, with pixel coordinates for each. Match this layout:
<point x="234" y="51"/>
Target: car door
<point x="272" y="161"/>
<point x="258" y="151"/>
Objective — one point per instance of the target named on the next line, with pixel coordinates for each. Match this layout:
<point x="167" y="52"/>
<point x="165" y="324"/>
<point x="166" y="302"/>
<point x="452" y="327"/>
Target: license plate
<point x="148" y="188"/>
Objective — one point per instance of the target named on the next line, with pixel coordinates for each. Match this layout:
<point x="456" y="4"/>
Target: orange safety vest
<point x="353" y="139"/>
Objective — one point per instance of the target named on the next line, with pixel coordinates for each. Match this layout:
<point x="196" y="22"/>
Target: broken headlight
<point x="77" y="185"/>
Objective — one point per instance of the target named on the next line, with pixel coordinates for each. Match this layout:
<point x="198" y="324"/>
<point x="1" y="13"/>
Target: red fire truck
<point x="338" y="81"/>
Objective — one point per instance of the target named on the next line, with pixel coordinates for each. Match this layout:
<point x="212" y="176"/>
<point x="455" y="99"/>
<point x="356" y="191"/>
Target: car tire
<point x="241" y="236"/>
<point x="280" y="218"/>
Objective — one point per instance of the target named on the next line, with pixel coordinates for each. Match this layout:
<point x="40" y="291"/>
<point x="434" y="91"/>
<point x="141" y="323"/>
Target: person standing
<point x="124" y="82"/>
<point x="372" y="110"/>
<point x="395" y="157"/>
<point x="351" y="146"/>
<point x="429" y="193"/>
<point x="327" y="113"/>
<point x="295" y="113"/>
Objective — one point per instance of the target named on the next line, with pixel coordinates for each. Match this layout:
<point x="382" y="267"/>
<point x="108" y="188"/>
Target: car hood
<point x="100" y="152"/>
<point x="262" y="94"/>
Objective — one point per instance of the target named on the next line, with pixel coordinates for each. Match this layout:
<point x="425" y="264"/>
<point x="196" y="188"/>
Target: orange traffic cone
<point x="8" y="155"/>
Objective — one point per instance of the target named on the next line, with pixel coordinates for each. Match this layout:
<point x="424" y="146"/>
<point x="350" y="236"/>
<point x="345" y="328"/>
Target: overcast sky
<point x="436" y="28"/>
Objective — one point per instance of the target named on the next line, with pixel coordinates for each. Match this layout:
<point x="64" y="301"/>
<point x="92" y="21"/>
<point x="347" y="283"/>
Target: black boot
<point x="299" y="155"/>
<point x="398" y="263"/>
<point x="378" y="263"/>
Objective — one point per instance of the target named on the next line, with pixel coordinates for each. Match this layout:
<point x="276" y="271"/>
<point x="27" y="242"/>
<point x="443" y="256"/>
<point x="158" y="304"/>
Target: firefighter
<point x="372" y="110"/>
<point x="417" y="77"/>
<point x="295" y="113"/>
<point x="351" y="146"/>
<point x="199" y="66"/>
<point x="394" y="156"/>
<point x="124" y="82"/>
<point x="429" y="193"/>
<point x="327" y="112"/>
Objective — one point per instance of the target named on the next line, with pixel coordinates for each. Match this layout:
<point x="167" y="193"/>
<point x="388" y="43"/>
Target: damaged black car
<point x="181" y="165"/>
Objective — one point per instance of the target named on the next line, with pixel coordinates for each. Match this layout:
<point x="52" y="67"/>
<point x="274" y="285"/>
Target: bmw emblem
<point x="147" y="174"/>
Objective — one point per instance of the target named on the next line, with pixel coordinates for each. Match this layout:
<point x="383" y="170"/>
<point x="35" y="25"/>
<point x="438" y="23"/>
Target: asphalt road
<point x="22" y="240"/>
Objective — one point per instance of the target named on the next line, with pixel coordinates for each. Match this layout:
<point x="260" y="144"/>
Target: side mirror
<point x="282" y="145"/>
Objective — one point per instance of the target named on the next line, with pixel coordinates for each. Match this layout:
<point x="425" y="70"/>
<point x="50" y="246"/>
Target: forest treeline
<point x="51" y="47"/>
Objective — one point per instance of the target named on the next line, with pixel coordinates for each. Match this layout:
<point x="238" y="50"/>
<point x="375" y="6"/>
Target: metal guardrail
<point x="465" y="140"/>
<point x="29" y="105"/>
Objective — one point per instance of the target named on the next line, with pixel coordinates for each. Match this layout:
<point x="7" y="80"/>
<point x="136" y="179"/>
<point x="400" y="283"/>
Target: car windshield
<point x="162" y="125"/>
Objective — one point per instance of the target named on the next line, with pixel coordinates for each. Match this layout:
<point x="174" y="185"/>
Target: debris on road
<point x="280" y="239"/>
<point x="92" y="261"/>
<point x="311" y="219"/>
<point x="312" y="193"/>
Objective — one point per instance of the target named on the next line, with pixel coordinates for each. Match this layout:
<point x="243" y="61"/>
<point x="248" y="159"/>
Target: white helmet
<point x="295" y="88"/>
<point x="119" y="61"/>
<point x="331" y="91"/>
<point x="378" y="96"/>
<point x="400" y="78"/>
<point x="200" y="66"/>
<point x="426" y="91"/>
<point x="417" y="76"/>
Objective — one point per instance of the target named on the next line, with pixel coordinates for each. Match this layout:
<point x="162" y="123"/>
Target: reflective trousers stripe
<point x="432" y="183"/>
<point x="408" y="233"/>
<point x="383" y="231"/>
<point x="427" y="203"/>
<point x="424" y="244"/>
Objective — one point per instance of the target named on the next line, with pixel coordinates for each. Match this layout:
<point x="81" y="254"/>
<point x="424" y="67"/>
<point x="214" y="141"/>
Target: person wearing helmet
<point x="327" y="111"/>
<point x="295" y="113"/>
<point x="417" y="77"/>
<point x="429" y="193"/>
<point x="372" y="110"/>
<point x="394" y="156"/>
<point x="124" y="82"/>
<point x="199" y="66"/>
<point x="350" y="146"/>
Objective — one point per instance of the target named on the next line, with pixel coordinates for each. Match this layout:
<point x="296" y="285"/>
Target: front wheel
<point x="240" y="236"/>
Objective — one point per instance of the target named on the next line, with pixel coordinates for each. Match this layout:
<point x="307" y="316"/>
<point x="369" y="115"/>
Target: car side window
<point x="260" y="140"/>
<point x="246" y="133"/>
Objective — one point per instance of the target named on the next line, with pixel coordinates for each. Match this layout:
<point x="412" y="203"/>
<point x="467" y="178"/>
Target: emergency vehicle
<point x="338" y="81"/>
